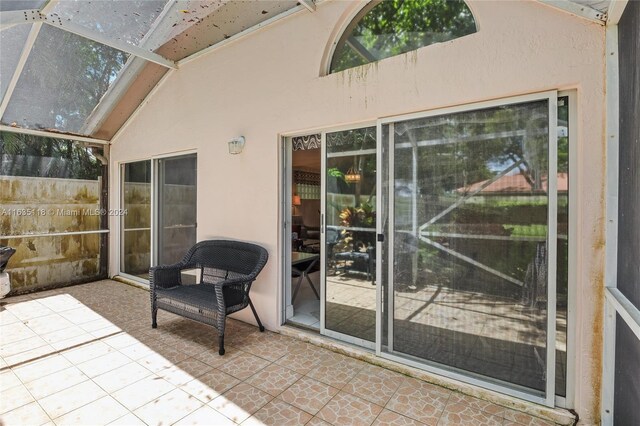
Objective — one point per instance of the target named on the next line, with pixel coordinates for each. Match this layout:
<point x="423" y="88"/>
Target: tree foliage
<point x="393" y="27"/>
<point x="29" y="155"/>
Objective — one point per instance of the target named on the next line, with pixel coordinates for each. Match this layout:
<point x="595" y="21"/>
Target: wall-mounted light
<point x="236" y="145"/>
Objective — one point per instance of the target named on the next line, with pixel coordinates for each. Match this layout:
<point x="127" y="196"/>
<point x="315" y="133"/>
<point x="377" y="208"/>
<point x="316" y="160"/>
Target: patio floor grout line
<point x="57" y="352"/>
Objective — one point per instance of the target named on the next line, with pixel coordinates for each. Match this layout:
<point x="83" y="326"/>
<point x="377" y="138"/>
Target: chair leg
<point x="221" y="344"/>
<point x="154" y="317"/>
<point x="255" y="314"/>
<point x="295" y="292"/>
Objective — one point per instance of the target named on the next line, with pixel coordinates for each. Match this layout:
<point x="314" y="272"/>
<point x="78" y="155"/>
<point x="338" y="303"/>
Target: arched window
<point x="391" y="27"/>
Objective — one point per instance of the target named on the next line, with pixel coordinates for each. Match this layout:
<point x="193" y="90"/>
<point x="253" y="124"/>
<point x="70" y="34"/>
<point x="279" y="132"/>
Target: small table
<point x="301" y="265"/>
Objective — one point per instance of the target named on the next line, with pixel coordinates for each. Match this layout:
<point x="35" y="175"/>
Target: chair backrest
<point x="234" y="256"/>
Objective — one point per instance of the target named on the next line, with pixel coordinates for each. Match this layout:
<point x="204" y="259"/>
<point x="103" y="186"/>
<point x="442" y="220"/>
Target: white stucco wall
<point x="269" y="83"/>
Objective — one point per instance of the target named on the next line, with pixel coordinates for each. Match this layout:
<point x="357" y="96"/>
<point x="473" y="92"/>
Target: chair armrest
<point x="165" y="276"/>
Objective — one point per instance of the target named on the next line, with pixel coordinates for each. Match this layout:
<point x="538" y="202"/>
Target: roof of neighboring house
<point x="513" y="184"/>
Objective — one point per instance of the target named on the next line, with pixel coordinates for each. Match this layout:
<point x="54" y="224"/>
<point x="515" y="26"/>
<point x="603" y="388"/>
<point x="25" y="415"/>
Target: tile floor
<point x="86" y="355"/>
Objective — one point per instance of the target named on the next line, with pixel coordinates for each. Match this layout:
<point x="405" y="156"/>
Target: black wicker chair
<point x="226" y="269"/>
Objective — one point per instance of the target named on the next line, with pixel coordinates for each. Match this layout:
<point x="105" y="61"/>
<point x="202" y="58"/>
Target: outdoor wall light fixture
<point x="236" y="145"/>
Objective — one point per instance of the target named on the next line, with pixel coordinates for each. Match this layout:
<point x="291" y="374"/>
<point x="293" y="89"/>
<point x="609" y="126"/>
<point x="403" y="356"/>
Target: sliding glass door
<point x="159" y="204"/>
<point x="136" y="223"/>
<point x="350" y="235"/>
<point x="176" y="207"/>
<point x="470" y="220"/>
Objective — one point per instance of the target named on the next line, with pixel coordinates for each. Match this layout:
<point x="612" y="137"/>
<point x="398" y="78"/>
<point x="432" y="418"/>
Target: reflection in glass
<point x="388" y="28"/>
<point x="68" y="75"/>
<point x="136" y="190"/>
<point x="562" y="276"/>
<point x="176" y="208"/>
<point x="350" y="233"/>
<point x="469" y="239"/>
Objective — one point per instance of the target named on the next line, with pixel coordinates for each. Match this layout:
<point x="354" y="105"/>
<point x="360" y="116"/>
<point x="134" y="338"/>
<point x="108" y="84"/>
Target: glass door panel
<point x="469" y="224"/>
<point x="350" y="233"/>
<point x="136" y="223"/>
<point x="176" y="207"/>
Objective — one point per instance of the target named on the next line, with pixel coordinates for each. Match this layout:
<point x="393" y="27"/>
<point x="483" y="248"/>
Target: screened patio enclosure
<point x="465" y="193"/>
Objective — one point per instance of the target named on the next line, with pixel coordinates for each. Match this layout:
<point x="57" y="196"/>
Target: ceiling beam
<point x="615" y="11"/>
<point x="579" y="10"/>
<point x="309" y="4"/>
<point x="16" y="17"/>
<point x="72" y="27"/>
<point x="26" y="50"/>
<point x="57" y="135"/>
<point x="156" y="36"/>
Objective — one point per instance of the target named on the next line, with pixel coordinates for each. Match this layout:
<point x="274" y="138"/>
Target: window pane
<point x="177" y="195"/>
<point x="9" y="5"/>
<point x="12" y="42"/>
<point x="469" y="235"/>
<point x="119" y="20"/>
<point x="136" y="189"/>
<point x="64" y="79"/>
<point x="389" y="28"/>
<point x="350" y="297"/>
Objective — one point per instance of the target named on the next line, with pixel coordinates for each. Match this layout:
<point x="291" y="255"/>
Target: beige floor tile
<point x="64" y="334"/>
<point x="205" y="416"/>
<point x="304" y="360"/>
<point x="73" y="342"/>
<point x="59" y="302"/>
<point x="30" y="414"/>
<point x="336" y="370"/>
<point x="120" y="341"/>
<point x="14" y="333"/>
<point x="55" y="382"/>
<point x="40" y="368"/>
<point x="99" y="412"/>
<point x="48" y="324"/>
<point x="30" y="355"/>
<point x="210" y="385"/>
<point x="278" y="413"/>
<point x="244" y="366"/>
<point x="8" y="349"/>
<point x="466" y="416"/>
<point x="520" y="418"/>
<point x="309" y="395"/>
<point x="7" y="317"/>
<point x="87" y="352"/>
<point x="8" y="380"/>
<point x="160" y="360"/>
<point x="374" y="384"/>
<point x="458" y="400"/>
<point x="168" y="408"/>
<point x="143" y="391"/>
<point x="184" y="372"/>
<point x="14" y="397"/>
<point x="419" y="400"/>
<point x="137" y="351"/>
<point x="240" y="402"/>
<point x="274" y="379"/>
<point x="81" y="315"/>
<point x="103" y="364"/>
<point x="346" y="409"/>
<point x="28" y="309"/>
<point x="128" y="420"/>
<point x="317" y="422"/>
<point x="121" y="377"/>
<point x="69" y="399"/>
<point x="212" y="358"/>
<point x="389" y="418"/>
